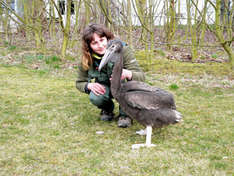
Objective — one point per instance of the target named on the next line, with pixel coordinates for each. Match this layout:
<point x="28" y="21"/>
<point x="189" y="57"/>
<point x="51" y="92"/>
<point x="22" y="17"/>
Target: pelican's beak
<point x="105" y="58"/>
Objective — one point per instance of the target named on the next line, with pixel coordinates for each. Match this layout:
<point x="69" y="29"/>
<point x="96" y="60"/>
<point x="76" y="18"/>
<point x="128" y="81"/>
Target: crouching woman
<point x="97" y="84"/>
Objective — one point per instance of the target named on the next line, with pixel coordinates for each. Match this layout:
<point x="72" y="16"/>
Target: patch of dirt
<point x="205" y="80"/>
<point x="184" y="55"/>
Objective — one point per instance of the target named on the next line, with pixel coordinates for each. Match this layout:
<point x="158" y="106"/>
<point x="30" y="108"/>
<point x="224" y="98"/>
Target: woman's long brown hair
<point x="87" y="38"/>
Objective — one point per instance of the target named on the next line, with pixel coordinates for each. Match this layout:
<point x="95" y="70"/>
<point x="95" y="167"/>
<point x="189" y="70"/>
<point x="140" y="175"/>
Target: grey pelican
<point x="150" y="106"/>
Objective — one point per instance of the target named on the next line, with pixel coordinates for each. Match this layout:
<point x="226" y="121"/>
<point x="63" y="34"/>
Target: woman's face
<point x="98" y="44"/>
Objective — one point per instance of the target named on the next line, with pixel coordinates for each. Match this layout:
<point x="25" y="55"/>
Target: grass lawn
<point x="47" y="127"/>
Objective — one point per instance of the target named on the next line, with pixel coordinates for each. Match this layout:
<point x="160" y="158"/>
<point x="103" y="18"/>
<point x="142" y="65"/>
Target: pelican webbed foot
<point x="141" y="132"/>
<point x="148" y="133"/>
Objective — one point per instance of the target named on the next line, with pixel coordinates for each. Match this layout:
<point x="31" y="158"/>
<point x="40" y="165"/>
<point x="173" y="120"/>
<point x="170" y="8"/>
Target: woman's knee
<point x="97" y="100"/>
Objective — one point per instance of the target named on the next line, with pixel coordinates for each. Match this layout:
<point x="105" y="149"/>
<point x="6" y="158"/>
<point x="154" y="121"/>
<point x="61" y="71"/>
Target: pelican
<point x="150" y="106"/>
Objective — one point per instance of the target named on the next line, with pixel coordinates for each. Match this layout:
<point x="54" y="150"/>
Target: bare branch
<point x="12" y="11"/>
<point x="16" y="15"/>
<point x="212" y="4"/>
<point x="102" y="6"/>
<point x="60" y="15"/>
<point x="140" y="18"/>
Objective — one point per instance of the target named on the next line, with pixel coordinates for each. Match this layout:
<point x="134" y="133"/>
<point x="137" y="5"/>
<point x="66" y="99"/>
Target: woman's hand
<point x="126" y="74"/>
<point x="96" y="88"/>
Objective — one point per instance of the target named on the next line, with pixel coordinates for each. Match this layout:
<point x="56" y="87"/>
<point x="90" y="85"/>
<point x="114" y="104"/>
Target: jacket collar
<point x="96" y="56"/>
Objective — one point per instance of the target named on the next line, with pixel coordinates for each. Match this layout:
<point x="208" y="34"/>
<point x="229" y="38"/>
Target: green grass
<point x="161" y="65"/>
<point x="47" y="127"/>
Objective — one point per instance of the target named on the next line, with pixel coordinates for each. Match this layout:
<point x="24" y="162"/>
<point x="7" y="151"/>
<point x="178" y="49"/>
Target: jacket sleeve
<point x="82" y="79"/>
<point x="130" y="63"/>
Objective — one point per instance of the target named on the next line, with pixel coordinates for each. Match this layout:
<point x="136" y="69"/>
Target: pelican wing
<point x="141" y="95"/>
<point x="145" y="100"/>
<point x="137" y="85"/>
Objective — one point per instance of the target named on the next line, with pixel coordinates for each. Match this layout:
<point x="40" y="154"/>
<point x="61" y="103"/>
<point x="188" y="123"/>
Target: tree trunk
<point x="171" y="22"/>
<point x="230" y="22"/>
<point x="225" y="12"/>
<point x="37" y="20"/>
<point x="77" y="24"/>
<point x="1" y="17"/>
<point x="106" y="11"/>
<point x="219" y="34"/>
<point x="77" y="10"/>
<point x="66" y="29"/>
<point x="203" y="23"/>
<point x="87" y="11"/>
<point x="52" y="21"/>
<point x="27" y="19"/>
<point x="194" y="35"/>
<point x="129" y="15"/>
<point x="6" y="23"/>
<point x="142" y="13"/>
<point x="192" y="30"/>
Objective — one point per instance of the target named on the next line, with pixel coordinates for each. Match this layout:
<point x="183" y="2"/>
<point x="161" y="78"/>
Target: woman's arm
<point x="130" y="64"/>
<point x="82" y="79"/>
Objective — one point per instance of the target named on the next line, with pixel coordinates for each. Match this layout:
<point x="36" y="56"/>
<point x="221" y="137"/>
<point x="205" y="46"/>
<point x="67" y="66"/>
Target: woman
<point x="97" y="84"/>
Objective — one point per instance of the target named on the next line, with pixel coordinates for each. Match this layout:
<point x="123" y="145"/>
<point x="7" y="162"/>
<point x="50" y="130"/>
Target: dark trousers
<point x="104" y="101"/>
